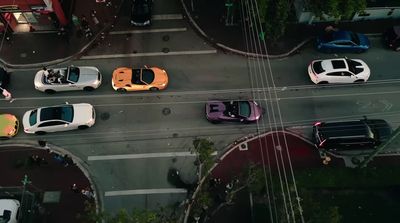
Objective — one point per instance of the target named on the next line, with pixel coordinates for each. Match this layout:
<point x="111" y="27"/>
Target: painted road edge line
<point x="176" y="53"/>
<point x="145" y="192"/>
<point x="148" y="31"/>
<point x="143" y="156"/>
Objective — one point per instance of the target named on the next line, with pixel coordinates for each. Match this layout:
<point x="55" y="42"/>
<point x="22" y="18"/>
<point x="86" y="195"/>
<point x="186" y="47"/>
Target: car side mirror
<point x="145" y="66"/>
<point x="66" y="103"/>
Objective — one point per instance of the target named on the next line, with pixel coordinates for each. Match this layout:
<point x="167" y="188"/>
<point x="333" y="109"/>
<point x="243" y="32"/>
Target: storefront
<point x="31" y="15"/>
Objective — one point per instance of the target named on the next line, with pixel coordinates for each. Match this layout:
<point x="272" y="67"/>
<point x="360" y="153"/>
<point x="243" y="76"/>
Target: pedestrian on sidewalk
<point x="94" y="17"/>
<point x="75" y="188"/>
<point x="88" y="193"/>
<point x="7" y="95"/>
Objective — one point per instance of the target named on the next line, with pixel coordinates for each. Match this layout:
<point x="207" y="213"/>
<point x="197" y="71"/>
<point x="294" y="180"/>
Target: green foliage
<point x="254" y="178"/>
<point x="339" y="9"/>
<point x="262" y="9"/>
<point x="203" y="201"/>
<point x="204" y="149"/>
<point x="277" y="13"/>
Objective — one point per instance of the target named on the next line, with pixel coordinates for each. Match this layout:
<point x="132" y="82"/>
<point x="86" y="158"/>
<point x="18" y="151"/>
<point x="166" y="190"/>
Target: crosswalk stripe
<point x="174" y="53"/>
<point x="145" y="191"/>
<point x="167" y="17"/>
<point x="148" y="31"/>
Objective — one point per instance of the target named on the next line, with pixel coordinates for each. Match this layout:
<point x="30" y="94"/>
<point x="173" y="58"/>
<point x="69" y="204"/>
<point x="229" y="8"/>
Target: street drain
<point x="105" y="116"/>
<point x="165" y="37"/>
<point x="166" y="111"/>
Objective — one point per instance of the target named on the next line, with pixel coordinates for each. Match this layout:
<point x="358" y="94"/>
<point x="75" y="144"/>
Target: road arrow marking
<point x="387" y="104"/>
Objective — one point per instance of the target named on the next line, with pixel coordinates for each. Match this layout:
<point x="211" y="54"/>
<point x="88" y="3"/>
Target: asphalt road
<point x="139" y="136"/>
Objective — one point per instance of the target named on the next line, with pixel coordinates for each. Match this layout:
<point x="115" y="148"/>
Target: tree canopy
<point x="339" y="9"/>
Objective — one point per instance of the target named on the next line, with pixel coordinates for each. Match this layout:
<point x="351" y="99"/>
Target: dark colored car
<point x="233" y="111"/>
<point x="351" y="135"/>
<point x="4" y="78"/>
<point x="340" y="41"/>
<point x="392" y="38"/>
<point x="141" y="12"/>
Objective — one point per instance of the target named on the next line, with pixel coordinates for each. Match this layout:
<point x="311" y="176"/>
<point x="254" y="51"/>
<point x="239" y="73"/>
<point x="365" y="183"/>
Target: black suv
<point x="141" y="12"/>
<point x="392" y="38"/>
<point x="351" y="135"/>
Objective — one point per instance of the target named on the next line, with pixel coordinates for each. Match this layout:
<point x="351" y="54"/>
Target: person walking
<point x="7" y="95"/>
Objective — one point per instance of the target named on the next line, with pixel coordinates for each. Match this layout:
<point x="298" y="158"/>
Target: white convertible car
<point x="67" y="79"/>
<point x="59" y="118"/>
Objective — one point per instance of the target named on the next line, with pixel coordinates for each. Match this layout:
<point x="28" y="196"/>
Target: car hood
<point x="160" y="76"/>
<point x="256" y="111"/>
<point x="215" y="109"/>
<point x="8" y="124"/>
<point x="25" y="120"/>
<point x="83" y="113"/>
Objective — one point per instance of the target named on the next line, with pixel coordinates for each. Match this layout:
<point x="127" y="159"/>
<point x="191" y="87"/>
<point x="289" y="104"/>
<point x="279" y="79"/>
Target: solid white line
<point x="167" y="17"/>
<point x="148" y="31"/>
<point x="145" y="191"/>
<point x="142" y="156"/>
<point x="177" y="53"/>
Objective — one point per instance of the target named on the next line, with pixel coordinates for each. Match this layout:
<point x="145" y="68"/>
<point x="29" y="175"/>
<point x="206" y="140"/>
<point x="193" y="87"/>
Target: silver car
<point x="67" y="79"/>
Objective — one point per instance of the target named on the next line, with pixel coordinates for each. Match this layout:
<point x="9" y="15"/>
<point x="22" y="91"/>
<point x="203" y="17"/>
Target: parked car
<point x="9" y="125"/>
<point x="392" y="38"/>
<point x="233" y="111"/>
<point x="9" y="209"/>
<point x="340" y="41"/>
<point x="139" y="79"/>
<point x="59" y="118"/>
<point x="68" y="79"/>
<point x="4" y="78"/>
<point x="141" y="12"/>
<point x="351" y="135"/>
<point x="338" y="70"/>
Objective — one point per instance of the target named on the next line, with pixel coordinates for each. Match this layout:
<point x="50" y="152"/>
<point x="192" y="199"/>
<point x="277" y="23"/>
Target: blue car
<point x="342" y="42"/>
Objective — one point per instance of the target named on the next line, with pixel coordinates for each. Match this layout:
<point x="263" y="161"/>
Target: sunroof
<point x="338" y="64"/>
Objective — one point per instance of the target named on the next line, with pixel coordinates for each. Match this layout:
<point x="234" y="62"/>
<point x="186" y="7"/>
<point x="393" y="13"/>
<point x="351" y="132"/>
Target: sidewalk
<point x="210" y="23"/>
<point x="50" y="182"/>
<point x="36" y="49"/>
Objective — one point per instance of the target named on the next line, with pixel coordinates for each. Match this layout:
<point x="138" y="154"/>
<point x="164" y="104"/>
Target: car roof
<point x="344" y="129"/>
<point x="341" y="35"/>
<point x="334" y="65"/>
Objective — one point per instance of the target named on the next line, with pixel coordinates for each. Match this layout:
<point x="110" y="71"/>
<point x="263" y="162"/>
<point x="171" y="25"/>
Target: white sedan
<point x="67" y="79"/>
<point x="59" y="118"/>
<point x="338" y="70"/>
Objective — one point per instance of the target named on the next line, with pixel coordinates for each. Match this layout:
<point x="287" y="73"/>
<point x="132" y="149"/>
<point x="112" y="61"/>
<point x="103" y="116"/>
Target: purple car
<point x="233" y="111"/>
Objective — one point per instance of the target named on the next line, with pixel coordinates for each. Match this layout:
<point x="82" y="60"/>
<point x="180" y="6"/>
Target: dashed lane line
<point x="174" y="53"/>
<point x="148" y="31"/>
<point x="167" y="17"/>
<point x="143" y="156"/>
<point x="145" y="192"/>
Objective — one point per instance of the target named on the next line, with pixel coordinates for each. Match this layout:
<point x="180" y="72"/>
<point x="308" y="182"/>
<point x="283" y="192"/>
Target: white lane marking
<point x="176" y="53"/>
<point x="148" y="31"/>
<point x="142" y="156"/>
<point x="167" y="17"/>
<point x="145" y="191"/>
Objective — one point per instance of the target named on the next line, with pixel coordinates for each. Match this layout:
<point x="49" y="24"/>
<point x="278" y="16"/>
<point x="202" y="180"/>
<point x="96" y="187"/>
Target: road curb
<point x="79" y="163"/>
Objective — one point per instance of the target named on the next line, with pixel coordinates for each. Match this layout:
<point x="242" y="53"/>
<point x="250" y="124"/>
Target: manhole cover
<point x="175" y="135"/>
<point x="105" y="116"/>
<point x="165" y="50"/>
<point x="23" y="55"/>
<point x="166" y="111"/>
<point x="165" y="37"/>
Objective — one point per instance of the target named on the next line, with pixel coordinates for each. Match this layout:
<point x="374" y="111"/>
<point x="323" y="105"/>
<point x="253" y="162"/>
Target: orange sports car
<point x="139" y="79"/>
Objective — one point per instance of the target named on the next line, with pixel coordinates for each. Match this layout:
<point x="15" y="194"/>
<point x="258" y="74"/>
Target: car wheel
<point x="323" y="82"/>
<point x="49" y="91"/>
<point x="40" y="133"/>
<point x="88" y="88"/>
<point x="359" y="81"/>
<point x="83" y="127"/>
<point x="154" y="89"/>
<point x="122" y="90"/>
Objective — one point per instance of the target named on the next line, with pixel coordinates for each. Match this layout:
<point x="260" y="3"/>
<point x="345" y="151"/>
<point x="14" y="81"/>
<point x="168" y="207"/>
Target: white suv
<point x="338" y="70"/>
<point x="9" y="209"/>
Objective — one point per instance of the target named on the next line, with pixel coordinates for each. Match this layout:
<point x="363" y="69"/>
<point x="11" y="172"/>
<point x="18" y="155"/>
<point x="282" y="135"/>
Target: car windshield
<point x="354" y="66"/>
<point x="73" y="74"/>
<point x="147" y="76"/>
<point x="354" y="38"/>
<point x="136" y="76"/>
<point x="317" y="67"/>
<point x="33" y="117"/>
<point x="65" y="112"/>
<point x="244" y="109"/>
